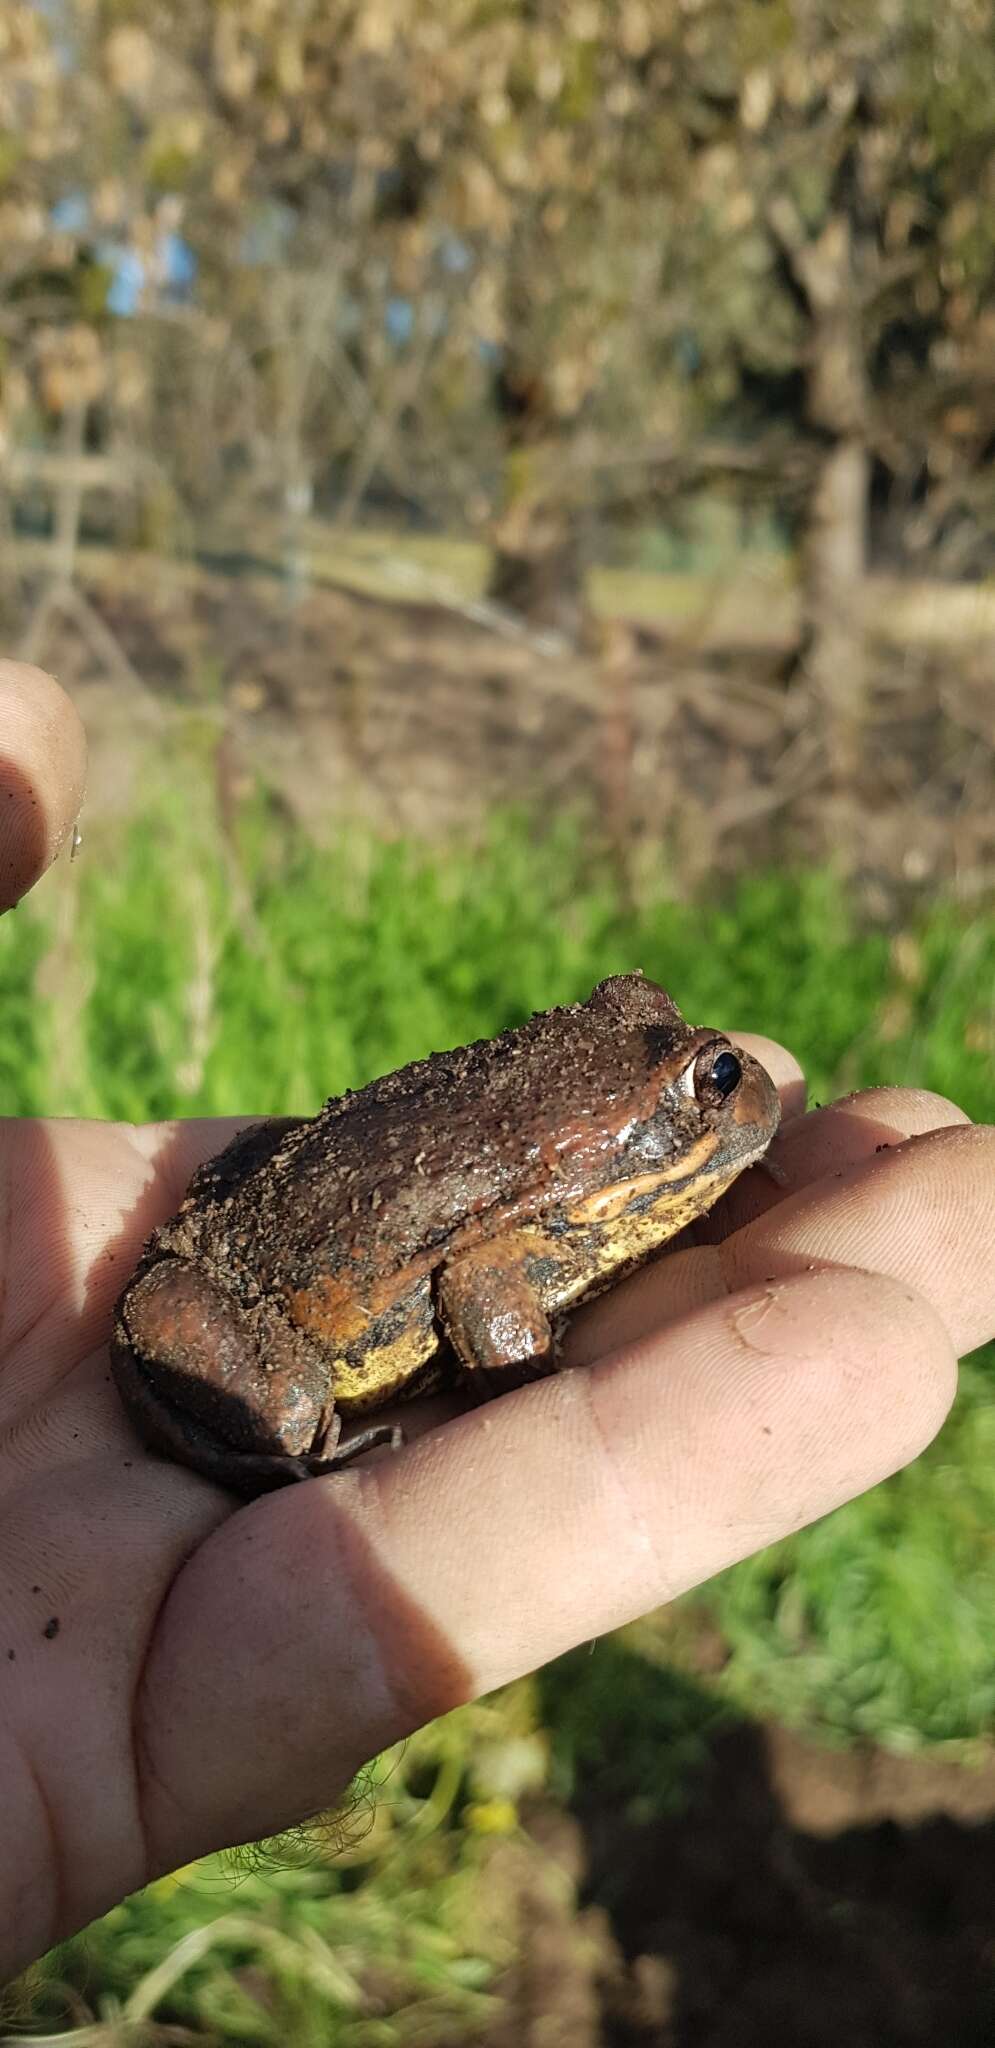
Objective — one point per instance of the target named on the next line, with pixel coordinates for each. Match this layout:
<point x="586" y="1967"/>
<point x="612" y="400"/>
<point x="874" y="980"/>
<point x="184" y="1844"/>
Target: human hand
<point x="180" y="1672"/>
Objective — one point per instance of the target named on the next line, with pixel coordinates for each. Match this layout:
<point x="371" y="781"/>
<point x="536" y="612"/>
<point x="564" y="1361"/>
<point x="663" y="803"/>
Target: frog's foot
<point x="257" y="1472"/>
<point x="493" y="1317"/>
<point x="174" y="1432"/>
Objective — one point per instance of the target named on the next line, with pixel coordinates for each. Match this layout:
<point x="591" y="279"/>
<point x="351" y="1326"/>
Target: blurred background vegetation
<point x="510" y="489"/>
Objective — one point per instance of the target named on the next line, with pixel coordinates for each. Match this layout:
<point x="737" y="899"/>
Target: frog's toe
<point x="379" y="1436"/>
<point x="257" y="1473"/>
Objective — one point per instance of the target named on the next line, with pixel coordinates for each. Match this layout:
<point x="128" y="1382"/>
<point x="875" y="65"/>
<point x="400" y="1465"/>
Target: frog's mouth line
<point x="645" y="1192"/>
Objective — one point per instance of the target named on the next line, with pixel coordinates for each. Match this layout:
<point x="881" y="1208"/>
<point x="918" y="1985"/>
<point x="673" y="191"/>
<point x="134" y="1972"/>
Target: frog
<point x="430" y="1231"/>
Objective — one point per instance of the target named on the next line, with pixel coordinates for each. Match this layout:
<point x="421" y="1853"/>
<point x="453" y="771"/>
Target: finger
<point x="827" y="1141"/>
<point x="664" y="1291"/>
<point x="919" y="1211"/>
<point x="325" y="1622"/>
<point x="42" y="772"/>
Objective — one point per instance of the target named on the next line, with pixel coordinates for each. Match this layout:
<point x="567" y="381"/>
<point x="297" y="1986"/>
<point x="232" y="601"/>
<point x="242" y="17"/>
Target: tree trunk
<point x="537" y="568"/>
<point x="833" y="556"/>
<point x="833" y="565"/>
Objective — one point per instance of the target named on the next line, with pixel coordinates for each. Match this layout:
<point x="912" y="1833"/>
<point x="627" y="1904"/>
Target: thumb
<point x="42" y="773"/>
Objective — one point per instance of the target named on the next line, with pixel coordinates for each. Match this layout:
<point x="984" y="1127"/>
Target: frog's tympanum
<point x="428" y="1230"/>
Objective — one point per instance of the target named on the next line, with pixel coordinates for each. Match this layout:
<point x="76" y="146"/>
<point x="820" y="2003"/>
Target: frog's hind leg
<point x="492" y="1314"/>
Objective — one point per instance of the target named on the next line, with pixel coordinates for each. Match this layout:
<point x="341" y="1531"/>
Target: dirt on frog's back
<point x="389" y="1172"/>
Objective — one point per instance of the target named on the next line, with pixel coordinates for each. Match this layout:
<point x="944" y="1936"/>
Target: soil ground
<point x="804" y="1897"/>
<point x="417" y="717"/>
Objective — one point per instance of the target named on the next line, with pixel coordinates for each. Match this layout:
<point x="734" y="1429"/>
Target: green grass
<point x="167" y="973"/>
<point x="877" y="1622"/>
<point x="188" y="979"/>
<point x="626" y="1730"/>
<point x="396" y="1937"/>
<point x="271" y="977"/>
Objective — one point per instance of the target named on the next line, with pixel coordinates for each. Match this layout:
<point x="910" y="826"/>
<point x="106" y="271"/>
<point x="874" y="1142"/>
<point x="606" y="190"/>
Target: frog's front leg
<point x="493" y="1315"/>
<point x="237" y="1393"/>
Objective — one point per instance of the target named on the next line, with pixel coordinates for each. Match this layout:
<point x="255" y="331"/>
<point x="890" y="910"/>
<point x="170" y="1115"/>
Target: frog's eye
<point x="717" y="1071"/>
<point x="726" y="1073"/>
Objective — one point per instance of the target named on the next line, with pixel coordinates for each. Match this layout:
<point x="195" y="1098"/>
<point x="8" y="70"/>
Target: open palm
<point x="179" y="1672"/>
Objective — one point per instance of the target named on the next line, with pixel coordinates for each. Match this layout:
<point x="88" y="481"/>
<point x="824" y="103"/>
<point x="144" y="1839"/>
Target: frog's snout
<point x="754" y="1109"/>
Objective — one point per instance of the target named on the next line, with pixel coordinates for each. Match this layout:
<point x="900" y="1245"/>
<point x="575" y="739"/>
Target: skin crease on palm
<point x="180" y="1672"/>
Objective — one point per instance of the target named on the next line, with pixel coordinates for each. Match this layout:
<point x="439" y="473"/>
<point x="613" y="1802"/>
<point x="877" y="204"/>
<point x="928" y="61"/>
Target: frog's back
<point x="390" y="1173"/>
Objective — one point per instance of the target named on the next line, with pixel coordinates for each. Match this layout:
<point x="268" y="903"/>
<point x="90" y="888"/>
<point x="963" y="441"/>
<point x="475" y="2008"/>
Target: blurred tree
<point x="573" y="163"/>
<point x="523" y="266"/>
<point x="852" y="267"/>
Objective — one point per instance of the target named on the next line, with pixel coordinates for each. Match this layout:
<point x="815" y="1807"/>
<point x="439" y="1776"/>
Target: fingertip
<point x="916" y="1210"/>
<point x="908" y="1112"/>
<point x="42" y="775"/>
<point x="893" y="1349"/>
<point x="863" y="1350"/>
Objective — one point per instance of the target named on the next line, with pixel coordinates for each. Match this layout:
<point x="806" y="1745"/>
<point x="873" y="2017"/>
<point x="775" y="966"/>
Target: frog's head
<point x="697" y="1110"/>
<point x="710" y="1108"/>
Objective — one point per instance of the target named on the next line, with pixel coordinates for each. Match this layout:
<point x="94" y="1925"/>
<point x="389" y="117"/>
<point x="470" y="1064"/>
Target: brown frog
<point x="429" y="1229"/>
